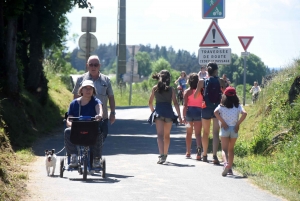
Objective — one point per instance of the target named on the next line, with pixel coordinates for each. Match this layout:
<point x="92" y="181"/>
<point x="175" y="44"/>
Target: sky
<point x="275" y="25"/>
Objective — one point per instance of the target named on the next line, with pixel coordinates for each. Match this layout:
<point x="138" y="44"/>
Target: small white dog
<point x="50" y="161"/>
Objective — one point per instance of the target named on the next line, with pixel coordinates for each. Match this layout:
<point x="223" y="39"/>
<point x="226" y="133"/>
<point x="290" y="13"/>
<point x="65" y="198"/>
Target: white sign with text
<point x="218" y="55"/>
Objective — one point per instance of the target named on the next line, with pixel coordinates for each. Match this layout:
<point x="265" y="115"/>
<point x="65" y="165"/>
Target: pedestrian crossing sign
<point x="213" y="9"/>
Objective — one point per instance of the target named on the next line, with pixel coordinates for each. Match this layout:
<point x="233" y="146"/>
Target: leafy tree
<point x="30" y="26"/>
<point x="144" y="63"/>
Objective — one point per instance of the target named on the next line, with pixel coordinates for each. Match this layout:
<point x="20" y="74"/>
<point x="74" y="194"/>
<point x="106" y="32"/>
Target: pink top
<point x="194" y="102"/>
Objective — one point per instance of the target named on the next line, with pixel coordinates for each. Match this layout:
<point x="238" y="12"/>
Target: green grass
<point x="22" y="123"/>
<point x="272" y="165"/>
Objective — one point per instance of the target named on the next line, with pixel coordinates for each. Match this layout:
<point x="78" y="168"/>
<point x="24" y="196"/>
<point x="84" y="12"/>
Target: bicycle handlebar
<point x="82" y="118"/>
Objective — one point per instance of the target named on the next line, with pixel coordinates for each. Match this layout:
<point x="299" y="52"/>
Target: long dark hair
<point x="193" y="80"/>
<point x="230" y="101"/>
<point x="211" y="68"/>
<point x="163" y="78"/>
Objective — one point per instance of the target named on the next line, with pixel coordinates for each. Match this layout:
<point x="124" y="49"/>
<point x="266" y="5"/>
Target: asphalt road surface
<point x="131" y="154"/>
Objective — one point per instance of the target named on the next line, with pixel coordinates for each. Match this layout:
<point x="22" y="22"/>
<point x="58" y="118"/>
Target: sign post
<point x="245" y="41"/>
<point x="88" y="24"/>
<point x="133" y="51"/>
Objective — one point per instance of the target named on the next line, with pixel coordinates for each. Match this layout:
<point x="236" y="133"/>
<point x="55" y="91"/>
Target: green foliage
<point x="180" y="60"/>
<point x="256" y="69"/>
<point x="144" y="63"/>
<point x="269" y="148"/>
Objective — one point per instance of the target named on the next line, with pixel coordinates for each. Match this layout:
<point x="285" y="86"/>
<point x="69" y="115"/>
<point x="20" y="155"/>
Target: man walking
<point x="104" y="91"/>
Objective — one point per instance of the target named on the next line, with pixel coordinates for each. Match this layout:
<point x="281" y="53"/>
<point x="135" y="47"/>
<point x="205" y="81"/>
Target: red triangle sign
<point x="245" y="41"/>
<point x="214" y="37"/>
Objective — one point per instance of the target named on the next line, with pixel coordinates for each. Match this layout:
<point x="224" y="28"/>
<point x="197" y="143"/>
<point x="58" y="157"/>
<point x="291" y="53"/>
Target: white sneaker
<point x="73" y="161"/>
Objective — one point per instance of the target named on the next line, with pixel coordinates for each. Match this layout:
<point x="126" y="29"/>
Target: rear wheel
<point x="103" y="165"/>
<point x="85" y="168"/>
<point x="61" y="168"/>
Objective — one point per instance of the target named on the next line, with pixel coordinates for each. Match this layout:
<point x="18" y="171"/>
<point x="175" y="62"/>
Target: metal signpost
<point x="87" y="42"/>
<point x="133" y="49"/>
<point x="245" y="41"/>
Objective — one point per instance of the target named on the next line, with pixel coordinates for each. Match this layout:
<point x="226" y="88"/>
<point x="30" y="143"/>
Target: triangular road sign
<point x="214" y="37"/>
<point x="245" y="41"/>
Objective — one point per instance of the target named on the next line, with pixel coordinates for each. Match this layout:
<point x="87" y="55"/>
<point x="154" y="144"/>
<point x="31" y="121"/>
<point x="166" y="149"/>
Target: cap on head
<point x="230" y="91"/>
<point x="87" y="83"/>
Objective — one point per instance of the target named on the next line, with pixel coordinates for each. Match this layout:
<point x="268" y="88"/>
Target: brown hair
<point x="193" y="80"/>
<point x="163" y="78"/>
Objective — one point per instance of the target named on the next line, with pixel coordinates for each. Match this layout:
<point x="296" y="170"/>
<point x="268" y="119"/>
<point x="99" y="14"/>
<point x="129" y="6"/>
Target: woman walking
<point x="212" y="86"/>
<point x="192" y="115"/>
<point x="228" y="115"/>
<point x="163" y="114"/>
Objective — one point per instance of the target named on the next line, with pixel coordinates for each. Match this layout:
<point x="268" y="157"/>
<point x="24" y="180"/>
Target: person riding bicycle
<point x="181" y="81"/>
<point x="86" y="105"/>
<point x="255" y="92"/>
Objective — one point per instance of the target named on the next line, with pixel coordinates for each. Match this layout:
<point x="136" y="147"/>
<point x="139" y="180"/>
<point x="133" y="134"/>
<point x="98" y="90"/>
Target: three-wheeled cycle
<point x="84" y="132"/>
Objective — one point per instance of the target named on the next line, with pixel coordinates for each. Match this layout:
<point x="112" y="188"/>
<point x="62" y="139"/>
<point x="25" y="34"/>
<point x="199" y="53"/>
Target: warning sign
<point x="214" y="37"/>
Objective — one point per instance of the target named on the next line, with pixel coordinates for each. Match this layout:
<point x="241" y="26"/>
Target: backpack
<point x="212" y="92"/>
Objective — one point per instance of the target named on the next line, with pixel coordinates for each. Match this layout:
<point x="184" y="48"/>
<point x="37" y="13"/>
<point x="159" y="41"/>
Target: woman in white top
<point x="228" y="115"/>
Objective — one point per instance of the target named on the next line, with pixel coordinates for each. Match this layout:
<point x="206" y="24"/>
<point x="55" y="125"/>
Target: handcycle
<point x="84" y="131"/>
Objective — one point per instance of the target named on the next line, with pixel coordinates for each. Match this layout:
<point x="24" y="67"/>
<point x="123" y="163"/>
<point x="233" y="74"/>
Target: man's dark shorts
<point x="208" y="113"/>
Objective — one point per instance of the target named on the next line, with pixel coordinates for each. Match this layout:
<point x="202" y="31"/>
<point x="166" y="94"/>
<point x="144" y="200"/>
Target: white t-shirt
<point x="230" y="115"/>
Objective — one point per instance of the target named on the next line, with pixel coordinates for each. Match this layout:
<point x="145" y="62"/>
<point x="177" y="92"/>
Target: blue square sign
<point x="213" y="9"/>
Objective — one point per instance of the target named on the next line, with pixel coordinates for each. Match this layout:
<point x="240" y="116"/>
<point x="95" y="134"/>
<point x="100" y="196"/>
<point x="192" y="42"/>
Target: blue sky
<point x="275" y="25"/>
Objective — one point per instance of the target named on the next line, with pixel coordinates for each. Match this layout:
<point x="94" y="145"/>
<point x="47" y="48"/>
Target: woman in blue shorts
<point x="192" y="115"/>
<point x="163" y="114"/>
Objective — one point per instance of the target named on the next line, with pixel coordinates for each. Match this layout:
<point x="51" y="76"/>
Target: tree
<point x="42" y="23"/>
<point x="144" y="63"/>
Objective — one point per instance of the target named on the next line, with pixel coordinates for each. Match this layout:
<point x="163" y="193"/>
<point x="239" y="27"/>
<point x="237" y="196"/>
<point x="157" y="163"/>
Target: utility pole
<point x="121" y="46"/>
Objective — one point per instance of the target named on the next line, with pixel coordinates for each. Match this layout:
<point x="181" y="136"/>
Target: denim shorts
<point x="229" y="132"/>
<point x="208" y="113"/>
<point x="193" y="113"/>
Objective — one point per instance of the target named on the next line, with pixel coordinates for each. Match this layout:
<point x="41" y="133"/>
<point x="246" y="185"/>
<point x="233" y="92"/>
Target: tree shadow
<point x="126" y="136"/>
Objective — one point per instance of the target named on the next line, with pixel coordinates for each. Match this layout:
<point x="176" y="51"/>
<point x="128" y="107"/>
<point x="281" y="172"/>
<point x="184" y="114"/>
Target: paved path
<point x="132" y="173"/>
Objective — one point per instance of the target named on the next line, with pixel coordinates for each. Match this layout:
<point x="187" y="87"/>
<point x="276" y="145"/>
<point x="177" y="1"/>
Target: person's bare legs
<point x="231" y="151"/>
<point x="224" y="143"/>
<point x="206" y="128"/>
<point x="216" y="139"/>
<point x="188" y="137"/>
<point x="167" y="130"/>
<point x="160" y="135"/>
<point x="197" y="128"/>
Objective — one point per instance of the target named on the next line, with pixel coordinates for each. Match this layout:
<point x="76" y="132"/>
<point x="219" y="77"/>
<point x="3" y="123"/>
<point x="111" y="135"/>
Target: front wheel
<point x="103" y="165"/>
<point x="85" y="168"/>
<point x="61" y="168"/>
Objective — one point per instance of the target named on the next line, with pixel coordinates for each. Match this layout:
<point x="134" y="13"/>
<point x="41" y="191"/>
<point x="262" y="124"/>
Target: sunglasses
<point x="95" y="65"/>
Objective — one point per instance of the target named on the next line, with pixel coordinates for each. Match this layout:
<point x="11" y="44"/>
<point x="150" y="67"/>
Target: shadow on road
<point x="125" y="137"/>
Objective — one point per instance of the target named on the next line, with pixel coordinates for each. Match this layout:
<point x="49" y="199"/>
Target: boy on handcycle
<point x="86" y="105"/>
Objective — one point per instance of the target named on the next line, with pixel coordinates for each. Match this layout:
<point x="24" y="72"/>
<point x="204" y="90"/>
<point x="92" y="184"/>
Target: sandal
<point x="188" y="155"/>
